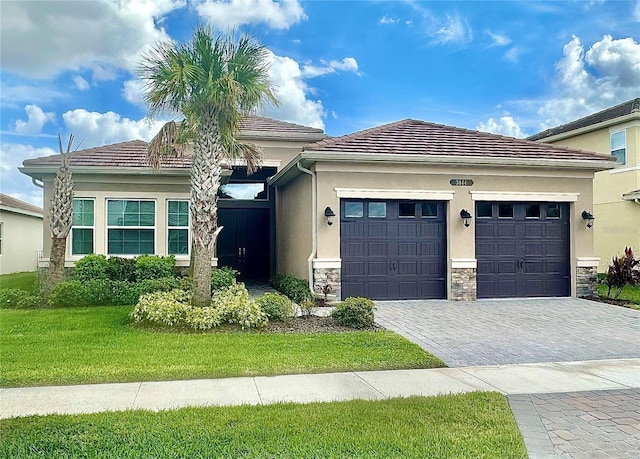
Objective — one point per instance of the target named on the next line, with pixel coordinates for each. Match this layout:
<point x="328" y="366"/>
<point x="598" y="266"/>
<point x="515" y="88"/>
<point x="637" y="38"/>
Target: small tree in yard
<point x="60" y="212"/>
<point x="624" y="270"/>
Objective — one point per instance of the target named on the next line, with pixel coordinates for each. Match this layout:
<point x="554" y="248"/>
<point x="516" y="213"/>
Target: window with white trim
<point x="619" y="146"/>
<point x="131" y="227"/>
<point x="178" y="227"/>
<point x="82" y="224"/>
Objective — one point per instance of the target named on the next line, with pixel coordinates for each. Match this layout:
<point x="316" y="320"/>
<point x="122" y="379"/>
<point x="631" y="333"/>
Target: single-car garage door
<point x="522" y="249"/>
<point x="393" y="249"/>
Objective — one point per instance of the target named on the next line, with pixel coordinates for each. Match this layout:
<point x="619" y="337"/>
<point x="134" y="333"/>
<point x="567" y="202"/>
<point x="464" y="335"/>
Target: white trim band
<point x="327" y="263"/>
<point x="523" y="196"/>
<point x="464" y="263"/>
<point x="587" y="262"/>
<point x="371" y="193"/>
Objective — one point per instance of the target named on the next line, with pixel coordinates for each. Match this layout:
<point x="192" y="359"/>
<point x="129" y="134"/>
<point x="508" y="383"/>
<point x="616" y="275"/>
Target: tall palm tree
<point x="60" y="214"/>
<point x="213" y="80"/>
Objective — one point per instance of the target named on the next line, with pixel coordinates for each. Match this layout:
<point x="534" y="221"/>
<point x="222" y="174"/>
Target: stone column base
<point x="586" y="281"/>
<point x="327" y="272"/>
<point x="463" y="284"/>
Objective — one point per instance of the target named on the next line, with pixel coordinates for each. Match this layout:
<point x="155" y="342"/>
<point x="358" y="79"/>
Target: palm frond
<point x="171" y="140"/>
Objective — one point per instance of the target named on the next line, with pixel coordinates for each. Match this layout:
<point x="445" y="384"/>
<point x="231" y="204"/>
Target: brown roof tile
<point x="626" y="108"/>
<point x="9" y="201"/>
<point x="262" y="124"/>
<point x="413" y="137"/>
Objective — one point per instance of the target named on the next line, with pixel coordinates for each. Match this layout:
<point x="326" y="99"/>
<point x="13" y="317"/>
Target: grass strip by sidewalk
<point x="478" y="425"/>
<point x="97" y="344"/>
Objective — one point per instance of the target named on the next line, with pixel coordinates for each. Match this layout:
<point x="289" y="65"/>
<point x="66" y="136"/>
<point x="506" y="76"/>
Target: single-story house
<point x="614" y="132"/>
<point x="406" y="210"/>
<point x="20" y="235"/>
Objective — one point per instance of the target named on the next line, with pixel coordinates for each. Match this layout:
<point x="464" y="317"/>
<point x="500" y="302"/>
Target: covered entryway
<point x="522" y="249"/>
<point x="393" y="249"/>
<point x="243" y="243"/>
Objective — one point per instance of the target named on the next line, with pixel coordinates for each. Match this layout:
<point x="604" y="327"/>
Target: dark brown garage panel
<point x="393" y="249"/>
<point x="522" y="249"/>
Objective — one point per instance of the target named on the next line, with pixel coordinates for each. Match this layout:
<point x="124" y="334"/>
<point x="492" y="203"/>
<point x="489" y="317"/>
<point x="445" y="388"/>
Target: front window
<point x="130" y="227"/>
<point x="619" y="146"/>
<point x="178" y="227"/>
<point x="82" y="221"/>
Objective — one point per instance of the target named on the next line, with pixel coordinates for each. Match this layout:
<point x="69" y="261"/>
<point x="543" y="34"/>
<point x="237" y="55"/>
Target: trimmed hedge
<point x="295" y="288"/>
<point x="277" y="307"/>
<point x="355" y="312"/>
<point x="222" y="278"/>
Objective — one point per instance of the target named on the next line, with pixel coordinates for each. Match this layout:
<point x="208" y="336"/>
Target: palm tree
<point x="213" y="81"/>
<point x="60" y="213"/>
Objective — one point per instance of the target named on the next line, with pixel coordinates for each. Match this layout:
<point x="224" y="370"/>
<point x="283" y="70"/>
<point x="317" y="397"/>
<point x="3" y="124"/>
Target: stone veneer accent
<point x="586" y="281"/>
<point x="331" y="276"/>
<point x="463" y="284"/>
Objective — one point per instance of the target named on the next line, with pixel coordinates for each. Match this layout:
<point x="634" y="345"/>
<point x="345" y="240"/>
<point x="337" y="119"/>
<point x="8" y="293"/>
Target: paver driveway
<point x="490" y="332"/>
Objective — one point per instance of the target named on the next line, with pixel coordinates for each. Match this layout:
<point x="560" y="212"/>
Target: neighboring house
<point x="20" y="235"/>
<point x="616" y="202"/>
<point x="398" y="193"/>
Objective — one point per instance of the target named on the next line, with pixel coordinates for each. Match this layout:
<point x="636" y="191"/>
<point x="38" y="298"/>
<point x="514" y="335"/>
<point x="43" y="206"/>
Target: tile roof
<point x="133" y="153"/>
<point x="626" y="108"/>
<point x="414" y="137"/>
<point x="9" y="201"/>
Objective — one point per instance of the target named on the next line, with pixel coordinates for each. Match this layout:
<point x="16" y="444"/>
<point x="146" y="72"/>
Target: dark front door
<point x="522" y="249"/>
<point x="243" y="243"/>
<point x="393" y="249"/>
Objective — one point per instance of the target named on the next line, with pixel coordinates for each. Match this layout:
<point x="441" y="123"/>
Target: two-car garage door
<point x="395" y="249"/>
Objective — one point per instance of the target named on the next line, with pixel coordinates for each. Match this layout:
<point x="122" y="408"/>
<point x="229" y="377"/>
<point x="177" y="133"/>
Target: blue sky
<point x="509" y="67"/>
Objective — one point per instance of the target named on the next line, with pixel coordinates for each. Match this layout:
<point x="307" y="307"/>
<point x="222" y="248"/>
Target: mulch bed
<point x="312" y="324"/>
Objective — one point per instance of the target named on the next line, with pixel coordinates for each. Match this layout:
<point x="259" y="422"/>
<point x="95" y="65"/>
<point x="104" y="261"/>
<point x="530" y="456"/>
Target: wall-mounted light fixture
<point x="329" y="214"/>
<point x="588" y="217"/>
<point x="466" y="217"/>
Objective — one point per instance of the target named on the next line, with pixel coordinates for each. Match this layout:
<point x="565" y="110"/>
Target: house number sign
<point x="461" y="182"/>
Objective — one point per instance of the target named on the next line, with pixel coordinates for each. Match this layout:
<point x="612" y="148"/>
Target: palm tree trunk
<point x="205" y="181"/>
<point x="55" y="272"/>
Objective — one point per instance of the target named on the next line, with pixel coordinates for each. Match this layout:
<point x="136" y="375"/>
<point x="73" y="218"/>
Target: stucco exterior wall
<point x="490" y="184"/>
<point x="617" y="223"/>
<point x="294" y="227"/>
<point x="21" y="242"/>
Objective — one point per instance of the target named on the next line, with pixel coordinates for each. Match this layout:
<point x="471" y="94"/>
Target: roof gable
<point x="16" y="205"/>
<point x="626" y="108"/>
<point x="414" y="137"/>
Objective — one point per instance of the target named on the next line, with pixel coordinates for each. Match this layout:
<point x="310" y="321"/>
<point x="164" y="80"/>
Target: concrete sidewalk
<point x="538" y="378"/>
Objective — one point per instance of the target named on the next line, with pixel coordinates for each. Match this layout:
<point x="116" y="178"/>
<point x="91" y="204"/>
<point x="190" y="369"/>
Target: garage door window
<point x="353" y="209"/>
<point x="553" y="210"/>
<point x="532" y="211"/>
<point x="377" y="210"/>
<point x="505" y="211"/>
<point x="407" y="209"/>
<point x="429" y="210"/>
<point x="485" y="210"/>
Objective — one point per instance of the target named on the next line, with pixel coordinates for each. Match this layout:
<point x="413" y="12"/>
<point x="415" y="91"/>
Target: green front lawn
<point x="476" y="425"/>
<point x="24" y="281"/>
<point x="97" y="344"/>
<point x="629" y="294"/>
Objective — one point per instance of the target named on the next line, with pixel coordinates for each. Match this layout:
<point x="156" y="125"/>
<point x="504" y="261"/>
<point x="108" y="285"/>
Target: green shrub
<point x="307" y="308"/>
<point x="155" y="267"/>
<point x="68" y="293"/>
<point x="222" y="278"/>
<point x="277" y="307"/>
<point x="17" y="298"/>
<point x="121" y="269"/>
<point x="235" y="307"/>
<point x="91" y="267"/>
<point x="163" y="308"/>
<point x="294" y="287"/>
<point x="355" y="312"/>
<point x="204" y="318"/>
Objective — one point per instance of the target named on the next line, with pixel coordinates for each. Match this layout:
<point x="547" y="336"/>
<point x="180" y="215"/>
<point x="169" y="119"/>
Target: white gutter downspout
<point x="39" y="185"/>
<point x="314" y="222"/>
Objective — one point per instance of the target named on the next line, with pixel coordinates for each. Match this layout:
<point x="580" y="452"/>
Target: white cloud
<point x="133" y="92"/>
<point x="15" y="183"/>
<point x="93" y="128"/>
<point x="36" y="118"/>
<point x="505" y="125"/>
<point x="388" y="20"/>
<point x="42" y="39"/>
<point x="81" y="83"/>
<point x="348" y="64"/>
<point x="608" y="73"/>
<point x="636" y="11"/>
<point x="513" y="54"/>
<point x="498" y="39"/>
<point x="292" y="91"/>
<point x="453" y="29"/>
<point x="276" y="14"/>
